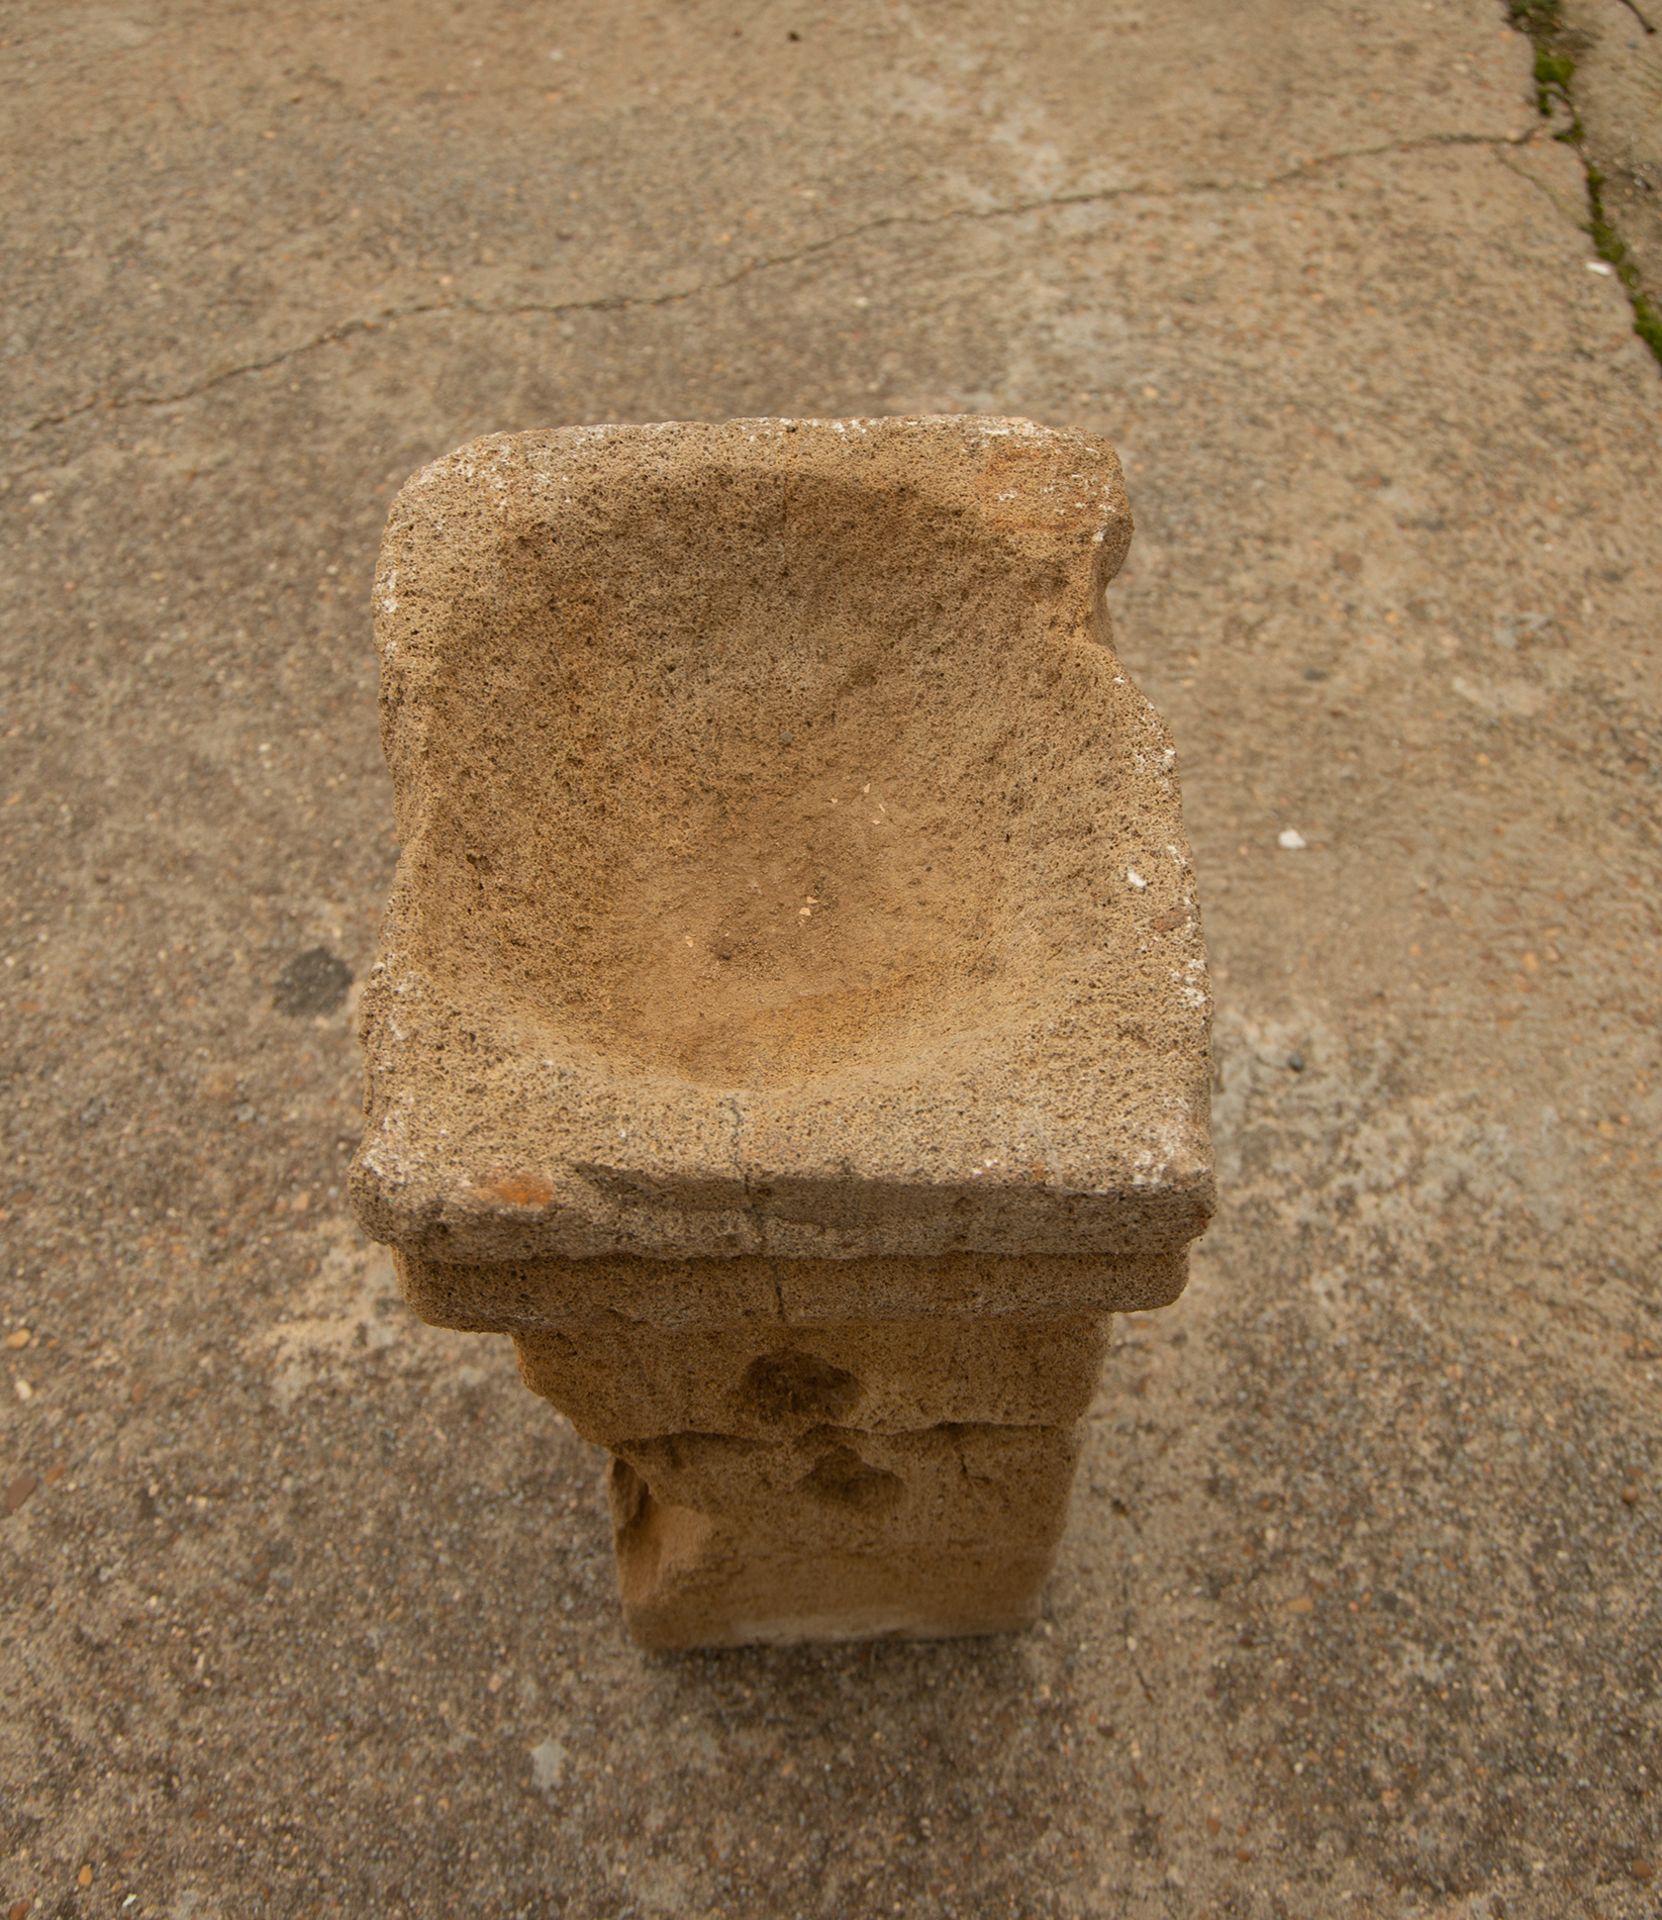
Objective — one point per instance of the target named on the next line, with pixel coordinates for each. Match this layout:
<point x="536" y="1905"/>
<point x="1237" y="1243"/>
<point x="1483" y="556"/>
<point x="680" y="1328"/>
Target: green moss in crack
<point x="1553" y="73"/>
<point x="1543" y="21"/>
<point x="1610" y="244"/>
<point x="1647" y="322"/>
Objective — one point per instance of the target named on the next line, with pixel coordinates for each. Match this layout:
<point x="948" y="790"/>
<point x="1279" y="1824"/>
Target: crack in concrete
<point x="623" y="302"/>
<point x="1540" y="186"/>
<point x="1556" y="51"/>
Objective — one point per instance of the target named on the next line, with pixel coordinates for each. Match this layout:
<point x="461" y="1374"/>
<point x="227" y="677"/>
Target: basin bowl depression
<point x="789" y="873"/>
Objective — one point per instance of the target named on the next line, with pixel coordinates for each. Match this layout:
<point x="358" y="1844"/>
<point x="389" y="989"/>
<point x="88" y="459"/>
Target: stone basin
<point x="794" y="929"/>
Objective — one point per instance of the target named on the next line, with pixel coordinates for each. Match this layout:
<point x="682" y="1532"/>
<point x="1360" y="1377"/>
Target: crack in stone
<point x="769" y="263"/>
<point x="754" y="1223"/>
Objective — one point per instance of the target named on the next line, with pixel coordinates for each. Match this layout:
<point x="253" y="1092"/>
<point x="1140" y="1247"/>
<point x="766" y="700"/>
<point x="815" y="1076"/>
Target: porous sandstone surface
<point x="791" y="1023"/>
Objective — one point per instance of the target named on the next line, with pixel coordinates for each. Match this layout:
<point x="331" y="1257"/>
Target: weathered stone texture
<point x="792" y="1016"/>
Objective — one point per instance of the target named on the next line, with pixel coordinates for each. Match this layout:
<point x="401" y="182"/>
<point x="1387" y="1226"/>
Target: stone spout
<point x="792" y="1018"/>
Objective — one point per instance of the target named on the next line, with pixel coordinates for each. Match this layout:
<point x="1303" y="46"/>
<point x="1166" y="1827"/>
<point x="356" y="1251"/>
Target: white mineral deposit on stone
<point x="1291" y="839"/>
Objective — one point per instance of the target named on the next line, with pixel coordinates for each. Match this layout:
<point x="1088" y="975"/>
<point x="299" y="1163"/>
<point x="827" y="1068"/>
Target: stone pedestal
<point x="792" y="1017"/>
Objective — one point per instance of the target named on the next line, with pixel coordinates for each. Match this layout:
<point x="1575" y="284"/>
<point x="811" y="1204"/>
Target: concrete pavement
<point x="308" y="1608"/>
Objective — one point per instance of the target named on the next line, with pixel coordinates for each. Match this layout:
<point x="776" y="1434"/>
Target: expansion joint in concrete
<point x="1555" y="63"/>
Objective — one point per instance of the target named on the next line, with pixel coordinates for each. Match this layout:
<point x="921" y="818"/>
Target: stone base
<point x="839" y="1536"/>
<point x="829" y="1482"/>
